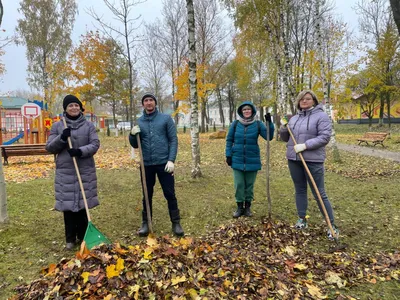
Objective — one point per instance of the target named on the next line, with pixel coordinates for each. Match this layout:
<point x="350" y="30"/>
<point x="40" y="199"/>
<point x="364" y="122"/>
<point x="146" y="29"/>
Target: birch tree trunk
<point x="318" y="16"/>
<point x="220" y="108"/>
<point x="194" y="114"/>
<point x="1" y="12"/>
<point x="3" y="197"/>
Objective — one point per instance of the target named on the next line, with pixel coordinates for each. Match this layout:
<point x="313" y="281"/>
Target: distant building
<point x="352" y="112"/>
<point x="11" y="117"/>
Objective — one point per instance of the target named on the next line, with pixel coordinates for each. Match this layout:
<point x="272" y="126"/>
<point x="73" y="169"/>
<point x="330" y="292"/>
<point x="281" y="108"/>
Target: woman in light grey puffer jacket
<point x="311" y="128"/>
<point x="85" y="143"/>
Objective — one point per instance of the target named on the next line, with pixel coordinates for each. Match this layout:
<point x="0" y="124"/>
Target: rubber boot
<point x="70" y="246"/>
<point x="247" y="212"/>
<point x="239" y="211"/>
<point x="176" y="225"/>
<point x="144" y="229"/>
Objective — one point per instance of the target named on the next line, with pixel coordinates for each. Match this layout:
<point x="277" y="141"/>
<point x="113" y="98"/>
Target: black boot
<point x="239" y="211"/>
<point x="144" y="229"/>
<point x="176" y="225"/>
<point x="247" y="212"/>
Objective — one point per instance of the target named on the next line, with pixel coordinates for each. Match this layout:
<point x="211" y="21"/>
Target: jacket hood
<point x="239" y="110"/>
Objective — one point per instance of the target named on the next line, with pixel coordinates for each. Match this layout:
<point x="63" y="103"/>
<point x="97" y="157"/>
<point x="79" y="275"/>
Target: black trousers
<point x="167" y="182"/>
<point x="75" y="225"/>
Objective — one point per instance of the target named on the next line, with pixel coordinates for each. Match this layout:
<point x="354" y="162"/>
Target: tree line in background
<point x="273" y="50"/>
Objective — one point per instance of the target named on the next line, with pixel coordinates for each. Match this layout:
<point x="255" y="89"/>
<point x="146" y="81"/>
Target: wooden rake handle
<point x="328" y="221"/>
<point x="268" y="173"/>
<point x="79" y="175"/>
<point x="146" y="195"/>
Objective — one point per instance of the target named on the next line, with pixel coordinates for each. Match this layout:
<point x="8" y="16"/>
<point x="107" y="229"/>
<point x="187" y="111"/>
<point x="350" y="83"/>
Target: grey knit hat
<point x="149" y="95"/>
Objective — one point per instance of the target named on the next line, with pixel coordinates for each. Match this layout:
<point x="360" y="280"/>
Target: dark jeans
<point x="167" y="182"/>
<point x="300" y="179"/>
<point x="76" y="224"/>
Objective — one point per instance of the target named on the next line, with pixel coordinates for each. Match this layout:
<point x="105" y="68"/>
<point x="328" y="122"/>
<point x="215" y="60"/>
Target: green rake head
<point x="94" y="237"/>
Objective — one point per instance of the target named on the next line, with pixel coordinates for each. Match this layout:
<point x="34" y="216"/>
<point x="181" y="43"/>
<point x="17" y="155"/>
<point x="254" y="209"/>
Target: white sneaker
<point x="301" y="224"/>
<point x="330" y="235"/>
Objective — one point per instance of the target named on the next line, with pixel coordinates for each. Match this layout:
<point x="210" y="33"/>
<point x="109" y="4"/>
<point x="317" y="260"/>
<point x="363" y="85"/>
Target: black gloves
<point x="66" y="133"/>
<point x="75" y="152"/>
<point x="229" y="160"/>
<point x="268" y="117"/>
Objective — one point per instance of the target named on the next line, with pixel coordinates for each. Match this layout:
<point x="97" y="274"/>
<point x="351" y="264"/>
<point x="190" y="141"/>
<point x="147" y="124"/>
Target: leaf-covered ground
<point x="363" y="191"/>
<point x="237" y="261"/>
<point x="21" y="169"/>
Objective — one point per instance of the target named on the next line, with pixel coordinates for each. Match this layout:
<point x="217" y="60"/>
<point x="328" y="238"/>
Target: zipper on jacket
<point x="244" y="149"/>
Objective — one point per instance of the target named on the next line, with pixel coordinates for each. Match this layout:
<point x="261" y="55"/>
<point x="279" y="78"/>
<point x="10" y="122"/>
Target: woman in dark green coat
<point x="243" y="154"/>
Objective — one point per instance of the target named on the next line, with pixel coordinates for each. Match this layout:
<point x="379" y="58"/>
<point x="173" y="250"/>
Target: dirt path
<point x="365" y="150"/>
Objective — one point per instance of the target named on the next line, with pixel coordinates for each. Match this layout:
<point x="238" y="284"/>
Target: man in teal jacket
<point x="243" y="154"/>
<point x="159" y="148"/>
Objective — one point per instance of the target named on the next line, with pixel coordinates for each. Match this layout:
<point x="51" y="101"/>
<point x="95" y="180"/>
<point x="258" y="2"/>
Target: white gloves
<point x="284" y="121"/>
<point x="135" y="130"/>
<point x="300" y="148"/>
<point x="169" y="167"/>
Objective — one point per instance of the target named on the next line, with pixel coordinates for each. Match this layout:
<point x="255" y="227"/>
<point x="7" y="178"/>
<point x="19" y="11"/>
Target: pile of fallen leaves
<point x="237" y="261"/>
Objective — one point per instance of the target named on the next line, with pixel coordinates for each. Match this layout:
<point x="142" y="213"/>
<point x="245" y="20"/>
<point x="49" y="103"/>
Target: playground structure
<point x="31" y="124"/>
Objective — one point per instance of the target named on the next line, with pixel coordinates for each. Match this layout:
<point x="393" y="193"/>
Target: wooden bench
<point x="373" y="137"/>
<point x="22" y="150"/>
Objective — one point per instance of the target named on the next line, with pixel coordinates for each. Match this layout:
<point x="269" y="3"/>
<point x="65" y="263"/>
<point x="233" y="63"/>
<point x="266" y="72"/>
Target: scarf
<point x="247" y="121"/>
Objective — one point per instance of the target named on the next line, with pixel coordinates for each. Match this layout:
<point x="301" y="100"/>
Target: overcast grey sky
<point x="15" y="56"/>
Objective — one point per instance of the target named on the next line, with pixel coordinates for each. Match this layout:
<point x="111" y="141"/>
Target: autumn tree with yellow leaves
<point x="86" y="67"/>
<point x="182" y="84"/>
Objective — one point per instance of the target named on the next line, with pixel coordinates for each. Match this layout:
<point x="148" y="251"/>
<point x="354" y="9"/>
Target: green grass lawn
<point x="366" y="208"/>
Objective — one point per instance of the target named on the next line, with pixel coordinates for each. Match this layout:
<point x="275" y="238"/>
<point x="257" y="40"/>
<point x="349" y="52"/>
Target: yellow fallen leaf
<point x="185" y="242"/>
<point x="300" y="267"/>
<point x="56" y="289"/>
<point x="111" y="271"/>
<point x="193" y="294"/>
<point x="227" y="283"/>
<point x="147" y="253"/>
<point x="334" y="278"/>
<point x="134" y="289"/>
<point x="290" y="250"/>
<point x="120" y="265"/>
<point x="178" y="279"/>
<point x="85" y="276"/>
<point x="315" y="291"/>
<point x="151" y="241"/>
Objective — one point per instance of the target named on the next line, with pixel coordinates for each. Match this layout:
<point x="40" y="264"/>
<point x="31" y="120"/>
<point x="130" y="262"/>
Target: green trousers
<point x="244" y="185"/>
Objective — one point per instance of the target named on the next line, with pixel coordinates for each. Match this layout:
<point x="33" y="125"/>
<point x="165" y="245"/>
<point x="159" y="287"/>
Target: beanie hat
<point x="149" y="95"/>
<point x="71" y="99"/>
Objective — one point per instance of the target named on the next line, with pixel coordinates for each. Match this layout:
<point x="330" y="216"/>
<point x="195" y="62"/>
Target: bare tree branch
<point x="122" y="13"/>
